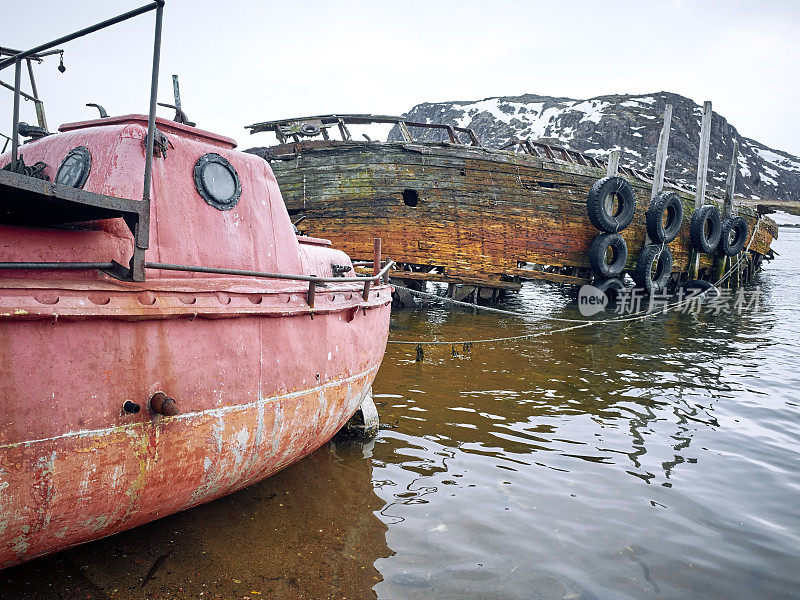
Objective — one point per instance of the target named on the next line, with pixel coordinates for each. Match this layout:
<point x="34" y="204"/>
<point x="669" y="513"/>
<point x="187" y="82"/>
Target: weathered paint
<point x="481" y="212"/>
<point x="260" y="378"/>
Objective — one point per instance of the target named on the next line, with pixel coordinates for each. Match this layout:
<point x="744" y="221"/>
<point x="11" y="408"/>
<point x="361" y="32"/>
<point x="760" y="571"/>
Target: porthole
<point x="74" y="170"/>
<point x="217" y="181"/>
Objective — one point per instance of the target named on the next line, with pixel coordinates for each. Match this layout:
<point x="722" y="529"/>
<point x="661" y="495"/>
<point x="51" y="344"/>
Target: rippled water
<point x="639" y="460"/>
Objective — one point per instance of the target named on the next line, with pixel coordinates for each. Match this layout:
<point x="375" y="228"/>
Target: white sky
<point x="243" y="61"/>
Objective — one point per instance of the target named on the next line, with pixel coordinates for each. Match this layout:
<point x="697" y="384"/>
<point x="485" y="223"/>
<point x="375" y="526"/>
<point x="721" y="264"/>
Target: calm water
<point x="644" y="460"/>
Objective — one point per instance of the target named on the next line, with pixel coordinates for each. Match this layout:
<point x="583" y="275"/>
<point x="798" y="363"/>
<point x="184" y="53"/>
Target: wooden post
<point x="727" y="206"/>
<point x="730" y="182"/>
<point x="702" y="158"/>
<point x="613" y="163"/>
<point x="702" y="172"/>
<point x="661" y="153"/>
<point x="661" y="161"/>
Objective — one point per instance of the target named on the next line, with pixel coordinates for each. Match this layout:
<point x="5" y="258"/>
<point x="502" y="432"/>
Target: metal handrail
<point x="265" y="274"/>
<point x="155" y="5"/>
<point x="142" y="228"/>
<point x="312" y="280"/>
<point x="79" y="266"/>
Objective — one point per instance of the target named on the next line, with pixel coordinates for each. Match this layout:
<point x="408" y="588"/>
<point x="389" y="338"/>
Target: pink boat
<point x="165" y="336"/>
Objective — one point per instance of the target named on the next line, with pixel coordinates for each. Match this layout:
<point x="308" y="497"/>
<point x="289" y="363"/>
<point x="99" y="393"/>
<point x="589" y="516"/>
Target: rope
<point x="499" y="311"/>
<point x="741" y="254"/>
<point x="641" y="315"/>
<point x="35" y="170"/>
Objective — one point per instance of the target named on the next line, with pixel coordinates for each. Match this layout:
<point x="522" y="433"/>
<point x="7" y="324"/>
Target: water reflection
<point x="617" y="461"/>
<point x="509" y="399"/>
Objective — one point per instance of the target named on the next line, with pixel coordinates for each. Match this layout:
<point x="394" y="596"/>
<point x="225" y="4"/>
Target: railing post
<point x="143" y="228"/>
<point x="404" y="132"/>
<point x="312" y="290"/>
<point x="15" y="117"/>
<point x="376" y="256"/>
<point x="38" y="103"/>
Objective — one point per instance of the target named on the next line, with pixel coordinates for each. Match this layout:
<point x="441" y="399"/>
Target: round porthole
<point x="217" y="181"/>
<point x="74" y="171"/>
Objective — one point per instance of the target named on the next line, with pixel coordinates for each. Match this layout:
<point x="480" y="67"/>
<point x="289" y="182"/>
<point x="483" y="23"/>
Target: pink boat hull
<point x="260" y="376"/>
<point x="82" y="470"/>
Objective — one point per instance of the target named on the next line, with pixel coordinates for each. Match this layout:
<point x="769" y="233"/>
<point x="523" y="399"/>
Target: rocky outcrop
<point x="629" y="123"/>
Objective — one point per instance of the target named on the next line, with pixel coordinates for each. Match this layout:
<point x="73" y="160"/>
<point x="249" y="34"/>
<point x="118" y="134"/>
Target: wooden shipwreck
<point x="461" y="213"/>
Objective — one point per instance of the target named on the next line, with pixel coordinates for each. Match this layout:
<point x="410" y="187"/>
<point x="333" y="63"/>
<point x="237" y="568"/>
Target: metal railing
<point x="313" y="280"/>
<point x="142" y="233"/>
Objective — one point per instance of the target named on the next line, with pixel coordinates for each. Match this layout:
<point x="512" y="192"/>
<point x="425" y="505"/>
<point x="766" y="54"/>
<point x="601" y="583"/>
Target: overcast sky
<point x="242" y="61"/>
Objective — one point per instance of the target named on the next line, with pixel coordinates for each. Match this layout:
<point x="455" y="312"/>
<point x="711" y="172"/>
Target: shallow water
<point x="654" y="459"/>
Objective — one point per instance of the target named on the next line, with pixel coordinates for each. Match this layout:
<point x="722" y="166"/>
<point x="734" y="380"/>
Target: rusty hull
<point x="259" y="376"/>
<point x="256" y="393"/>
<point x="481" y="214"/>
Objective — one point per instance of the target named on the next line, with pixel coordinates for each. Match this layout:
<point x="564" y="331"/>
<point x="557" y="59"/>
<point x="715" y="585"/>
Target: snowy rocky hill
<point x="629" y="123"/>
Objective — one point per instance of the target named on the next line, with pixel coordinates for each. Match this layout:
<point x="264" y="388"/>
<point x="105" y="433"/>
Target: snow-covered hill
<point x="629" y="123"/>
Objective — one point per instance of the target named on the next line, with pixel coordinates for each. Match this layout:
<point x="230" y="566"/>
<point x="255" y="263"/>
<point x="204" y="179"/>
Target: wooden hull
<point x="480" y="214"/>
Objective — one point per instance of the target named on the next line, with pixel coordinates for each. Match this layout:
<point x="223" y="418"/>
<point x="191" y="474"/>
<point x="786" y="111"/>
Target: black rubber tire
<point x="670" y="203"/>
<point x="598" y="252"/>
<point x="612" y="287"/>
<point x="309" y="129"/>
<point x="739" y="227"/>
<point x="596" y="204"/>
<point x="702" y="241"/>
<point x="643" y="275"/>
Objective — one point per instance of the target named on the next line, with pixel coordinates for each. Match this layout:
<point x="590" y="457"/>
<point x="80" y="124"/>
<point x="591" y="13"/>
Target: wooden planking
<point x="480" y="211"/>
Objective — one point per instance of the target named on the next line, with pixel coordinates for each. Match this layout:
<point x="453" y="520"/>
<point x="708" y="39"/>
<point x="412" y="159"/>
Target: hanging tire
<point x="611" y="204"/>
<point x="653" y="268"/>
<point x="733" y="236"/>
<point x="608" y="254"/>
<point x="705" y="229"/>
<point x="667" y="204"/>
<point x="612" y="287"/>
